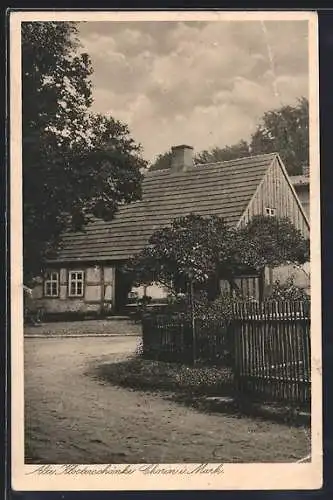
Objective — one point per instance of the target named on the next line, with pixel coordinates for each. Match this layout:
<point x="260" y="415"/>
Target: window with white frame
<point x="75" y="283"/>
<point x="270" y="211"/>
<point x="51" y="284"/>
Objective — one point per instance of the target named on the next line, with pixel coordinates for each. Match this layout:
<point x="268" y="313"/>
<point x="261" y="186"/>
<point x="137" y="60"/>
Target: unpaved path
<point x="71" y="417"/>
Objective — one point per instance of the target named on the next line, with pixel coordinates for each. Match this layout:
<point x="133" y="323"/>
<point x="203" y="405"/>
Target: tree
<point x="162" y="162"/>
<point x="203" y="250"/>
<point x="239" y="150"/>
<point x="187" y="250"/>
<point x="285" y="131"/>
<point x="76" y="165"/>
<point x="269" y="241"/>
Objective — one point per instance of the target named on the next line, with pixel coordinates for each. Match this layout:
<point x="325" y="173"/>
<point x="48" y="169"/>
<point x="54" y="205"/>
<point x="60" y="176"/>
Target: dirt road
<point x="70" y="417"/>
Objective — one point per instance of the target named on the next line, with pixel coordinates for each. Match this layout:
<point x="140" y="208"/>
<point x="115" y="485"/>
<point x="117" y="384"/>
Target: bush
<point x="288" y="291"/>
<point x="219" y="310"/>
<point x="144" y="374"/>
<point x="168" y="334"/>
<point x="139" y="348"/>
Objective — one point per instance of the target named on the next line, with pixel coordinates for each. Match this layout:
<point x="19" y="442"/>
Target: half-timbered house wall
<point x="98" y="285"/>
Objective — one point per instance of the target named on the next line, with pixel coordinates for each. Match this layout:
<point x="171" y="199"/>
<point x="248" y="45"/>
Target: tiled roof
<point x="223" y="188"/>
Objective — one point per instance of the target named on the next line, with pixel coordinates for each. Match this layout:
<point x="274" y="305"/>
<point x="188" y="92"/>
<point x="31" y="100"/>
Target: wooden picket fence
<point x="170" y="338"/>
<point x="266" y="344"/>
<point x="272" y="358"/>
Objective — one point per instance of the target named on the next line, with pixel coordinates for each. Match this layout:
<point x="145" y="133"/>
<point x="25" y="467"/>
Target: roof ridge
<point x="211" y="164"/>
<point x="236" y="159"/>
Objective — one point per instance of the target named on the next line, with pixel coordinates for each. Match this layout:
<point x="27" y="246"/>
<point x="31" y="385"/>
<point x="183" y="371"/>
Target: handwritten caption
<point x="112" y="469"/>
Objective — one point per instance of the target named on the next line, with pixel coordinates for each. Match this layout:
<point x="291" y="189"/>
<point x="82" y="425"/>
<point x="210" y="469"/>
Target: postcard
<point x="165" y="250"/>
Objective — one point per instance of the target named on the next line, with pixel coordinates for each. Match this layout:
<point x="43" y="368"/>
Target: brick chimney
<point x="181" y="158"/>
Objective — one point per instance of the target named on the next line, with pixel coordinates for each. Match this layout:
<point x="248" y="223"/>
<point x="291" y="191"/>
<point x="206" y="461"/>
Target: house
<point x="86" y="275"/>
<point x="301" y="184"/>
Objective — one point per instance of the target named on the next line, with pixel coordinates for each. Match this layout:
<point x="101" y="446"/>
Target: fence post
<point x="235" y="347"/>
<point x="194" y="347"/>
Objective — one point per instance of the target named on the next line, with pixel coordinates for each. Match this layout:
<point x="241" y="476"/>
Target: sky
<point x="204" y="84"/>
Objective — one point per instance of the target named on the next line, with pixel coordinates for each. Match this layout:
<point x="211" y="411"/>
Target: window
<point x="270" y="211"/>
<point x="76" y="282"/>
<point x="51" y="284"/>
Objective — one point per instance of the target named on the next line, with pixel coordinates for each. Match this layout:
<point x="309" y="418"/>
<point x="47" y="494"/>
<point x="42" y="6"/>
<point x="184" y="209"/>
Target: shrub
<point x="288" y="291"/>
<point x="139" y="348"/>
<point x="144" y="374"/>
<point x="168" y="334"/>
<point x="219" y="310"/>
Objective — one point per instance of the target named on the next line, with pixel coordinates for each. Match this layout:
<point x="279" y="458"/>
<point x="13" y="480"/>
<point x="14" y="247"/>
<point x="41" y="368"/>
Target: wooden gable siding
<point x="275" y="191"/>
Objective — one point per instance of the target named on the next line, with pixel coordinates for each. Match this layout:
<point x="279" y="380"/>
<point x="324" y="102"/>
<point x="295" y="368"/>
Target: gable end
<point x="276" y="193"/>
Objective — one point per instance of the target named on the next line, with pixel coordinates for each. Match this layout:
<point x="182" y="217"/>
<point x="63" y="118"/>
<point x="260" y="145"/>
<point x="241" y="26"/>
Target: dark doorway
<point x="123" y="285"/>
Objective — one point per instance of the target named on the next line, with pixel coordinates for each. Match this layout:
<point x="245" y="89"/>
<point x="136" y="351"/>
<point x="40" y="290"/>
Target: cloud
<point x="205" y="84"/>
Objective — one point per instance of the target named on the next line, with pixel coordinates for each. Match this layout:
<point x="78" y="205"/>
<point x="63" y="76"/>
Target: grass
<point x="145" y="374"/>
<point x="209" y="389"/>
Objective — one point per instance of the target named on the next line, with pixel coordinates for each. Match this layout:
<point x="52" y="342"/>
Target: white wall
<point x="98" y="288"/>
<point x="155" y="291"/>
<point x="301" y="275"/>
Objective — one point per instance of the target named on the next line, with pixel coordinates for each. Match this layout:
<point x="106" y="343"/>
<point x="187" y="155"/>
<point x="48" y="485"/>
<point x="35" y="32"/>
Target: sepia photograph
<point x="165" y="287"/>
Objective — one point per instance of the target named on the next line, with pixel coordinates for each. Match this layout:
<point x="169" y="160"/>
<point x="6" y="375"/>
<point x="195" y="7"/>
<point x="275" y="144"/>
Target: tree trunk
<point x="234" y="287"/>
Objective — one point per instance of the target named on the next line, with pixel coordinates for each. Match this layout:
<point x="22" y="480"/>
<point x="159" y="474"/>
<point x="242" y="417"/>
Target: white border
<point x="240" y="476"/>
